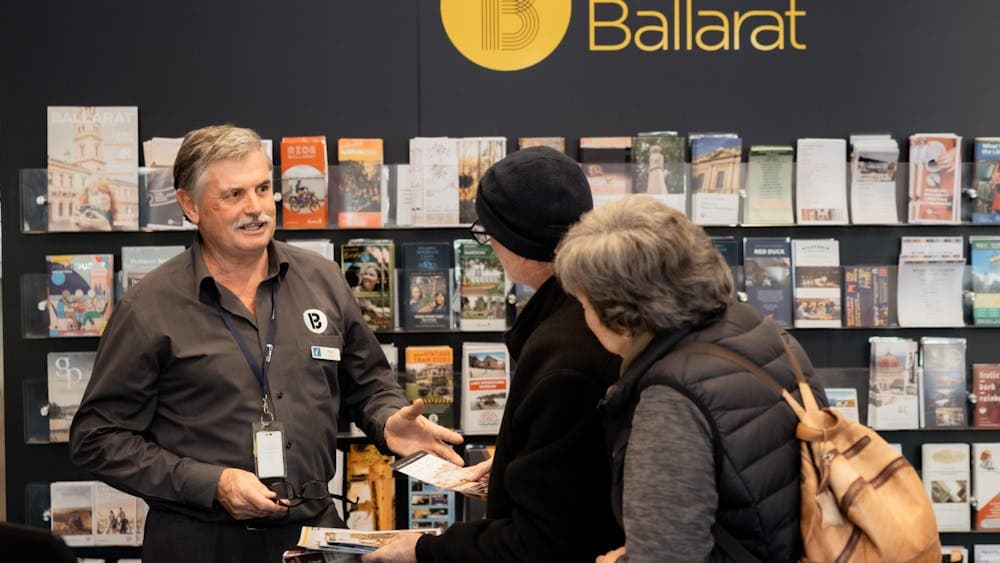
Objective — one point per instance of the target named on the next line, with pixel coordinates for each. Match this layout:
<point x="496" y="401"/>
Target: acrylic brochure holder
<point x="691" y="189"/>
<point x="47" y="211"/>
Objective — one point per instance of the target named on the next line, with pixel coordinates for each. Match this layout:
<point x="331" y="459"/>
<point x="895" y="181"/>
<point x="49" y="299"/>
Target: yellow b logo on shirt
<point x="505" y="34"/>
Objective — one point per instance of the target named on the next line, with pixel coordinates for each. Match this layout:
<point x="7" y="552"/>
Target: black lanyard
<point x="259" y="370"/>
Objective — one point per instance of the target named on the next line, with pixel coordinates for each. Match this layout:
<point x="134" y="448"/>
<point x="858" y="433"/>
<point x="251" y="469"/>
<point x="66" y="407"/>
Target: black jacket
<point x="756" y="453"/>
<point x="550" y="482"/>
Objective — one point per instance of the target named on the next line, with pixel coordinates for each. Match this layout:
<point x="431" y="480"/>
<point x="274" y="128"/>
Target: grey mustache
<point x="263" y="218"/>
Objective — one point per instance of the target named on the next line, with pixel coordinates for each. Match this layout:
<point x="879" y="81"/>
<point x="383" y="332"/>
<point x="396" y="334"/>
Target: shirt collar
<point x="277" y="264"/>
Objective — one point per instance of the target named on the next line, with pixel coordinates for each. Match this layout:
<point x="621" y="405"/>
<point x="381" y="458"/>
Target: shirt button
<point x="288" y="445"/>
<point x="280" y="394"/>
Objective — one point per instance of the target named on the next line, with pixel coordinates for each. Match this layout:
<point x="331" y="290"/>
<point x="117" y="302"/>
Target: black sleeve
<point x="558" y="483"/>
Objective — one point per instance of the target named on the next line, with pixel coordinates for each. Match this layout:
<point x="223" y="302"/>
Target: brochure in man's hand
<point x="439" y="472"/>
<point x="343" y="540"/>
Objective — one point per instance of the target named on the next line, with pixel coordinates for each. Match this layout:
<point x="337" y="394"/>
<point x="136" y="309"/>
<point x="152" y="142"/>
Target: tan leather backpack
<point x="861" y="499"/>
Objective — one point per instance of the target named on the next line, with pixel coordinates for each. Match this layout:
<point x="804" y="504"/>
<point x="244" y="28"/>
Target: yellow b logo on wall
<point x="505" y="34"/>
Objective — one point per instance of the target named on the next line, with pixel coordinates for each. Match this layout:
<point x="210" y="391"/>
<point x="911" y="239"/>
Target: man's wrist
<point x="200" y="483"/>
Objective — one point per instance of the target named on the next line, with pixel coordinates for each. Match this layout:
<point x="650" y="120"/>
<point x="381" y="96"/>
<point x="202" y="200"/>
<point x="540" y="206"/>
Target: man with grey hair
<point x="221" y="375"/>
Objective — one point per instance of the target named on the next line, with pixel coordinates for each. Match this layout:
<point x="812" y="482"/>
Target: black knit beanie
<point x="528" y="200"/>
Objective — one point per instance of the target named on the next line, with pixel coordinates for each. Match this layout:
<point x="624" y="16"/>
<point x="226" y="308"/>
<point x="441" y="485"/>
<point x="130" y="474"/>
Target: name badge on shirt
<point x="325" y="353"/>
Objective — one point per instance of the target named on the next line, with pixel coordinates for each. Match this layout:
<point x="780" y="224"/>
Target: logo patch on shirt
<point x="315" y="321"/>
<point x="325" y="353"/>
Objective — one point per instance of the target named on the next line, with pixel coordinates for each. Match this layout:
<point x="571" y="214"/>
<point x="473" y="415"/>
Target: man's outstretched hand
<point x="408" y="430"/>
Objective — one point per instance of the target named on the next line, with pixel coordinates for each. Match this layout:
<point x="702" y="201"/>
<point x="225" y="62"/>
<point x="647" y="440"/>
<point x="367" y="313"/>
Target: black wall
<point x="386" y="69"/>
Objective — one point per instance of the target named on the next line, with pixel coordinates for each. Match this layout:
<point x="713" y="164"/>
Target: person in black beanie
<point x="549" y="480"/>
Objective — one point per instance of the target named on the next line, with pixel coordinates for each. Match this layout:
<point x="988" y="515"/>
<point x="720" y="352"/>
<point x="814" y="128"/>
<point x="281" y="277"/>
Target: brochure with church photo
<point x="893" y="402"/>
<point x="716" y="177"/>
<point x="93" y="168"/>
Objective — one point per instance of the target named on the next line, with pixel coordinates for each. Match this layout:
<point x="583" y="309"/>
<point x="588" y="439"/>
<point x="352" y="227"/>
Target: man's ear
<point x="188" y="205"/>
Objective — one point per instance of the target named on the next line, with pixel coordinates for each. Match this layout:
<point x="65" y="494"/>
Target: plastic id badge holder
<point x="269" y="450"/>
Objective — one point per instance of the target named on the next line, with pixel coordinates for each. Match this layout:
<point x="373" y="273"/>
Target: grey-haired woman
<point x="699" y="445"/>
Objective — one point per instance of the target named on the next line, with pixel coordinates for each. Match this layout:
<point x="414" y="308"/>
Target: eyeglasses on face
<point x="479" y="233"/>
<point x="310" y="490"/>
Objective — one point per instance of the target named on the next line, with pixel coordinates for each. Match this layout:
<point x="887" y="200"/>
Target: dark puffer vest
<point x="753" y="430"/>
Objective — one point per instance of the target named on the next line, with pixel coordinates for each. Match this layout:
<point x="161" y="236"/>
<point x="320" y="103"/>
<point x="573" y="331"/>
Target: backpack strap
<point x="731" y="546"/>
<point x="808" y="399"/>
<point x="725" y="540"/>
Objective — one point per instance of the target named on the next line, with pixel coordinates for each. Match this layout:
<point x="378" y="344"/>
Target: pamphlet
<point x="946" y="475"/>
<point x="874" y="162"/>
<point x="715" y="178"/>
<point x="931" y="273"/>
<point x="821" y="181"/>
<point x="344" y="540"/>
<point x="845" y="400"/>
<point x="439" y="472"/>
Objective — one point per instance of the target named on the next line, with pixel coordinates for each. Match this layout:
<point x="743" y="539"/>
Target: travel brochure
<point x="344" y="540"/>
<point x="442" y="473"/>
<point x="94" y="177"/>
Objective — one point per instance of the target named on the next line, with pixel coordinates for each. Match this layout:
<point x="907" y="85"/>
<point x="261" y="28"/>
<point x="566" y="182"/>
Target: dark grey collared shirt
<point x="172" y="399"/>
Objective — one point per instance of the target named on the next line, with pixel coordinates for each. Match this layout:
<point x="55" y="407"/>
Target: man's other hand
<point x="244" y="497"/>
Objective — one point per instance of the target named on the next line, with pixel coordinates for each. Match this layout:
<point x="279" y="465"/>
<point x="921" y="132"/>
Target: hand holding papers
<point x="343" y="540"/>
<point x="429" y="468"/>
